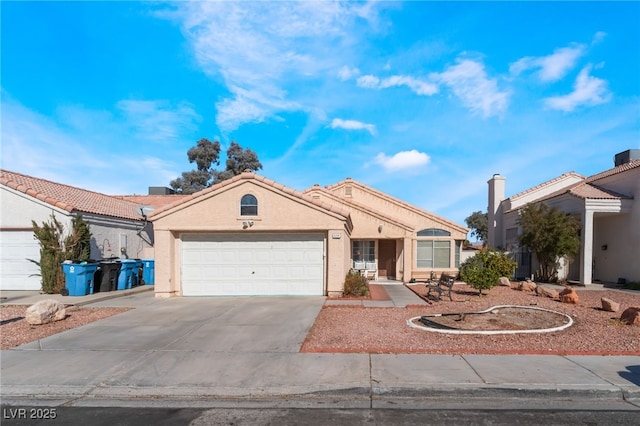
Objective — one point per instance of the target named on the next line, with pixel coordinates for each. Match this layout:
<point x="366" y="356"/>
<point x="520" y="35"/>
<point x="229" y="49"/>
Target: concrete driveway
<point x="245" y="351"/>
<point x="183" y="347"/>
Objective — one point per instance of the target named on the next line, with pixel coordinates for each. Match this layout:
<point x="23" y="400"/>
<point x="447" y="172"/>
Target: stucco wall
<point x="219" y="211"/>
<point x="17" y="210"/>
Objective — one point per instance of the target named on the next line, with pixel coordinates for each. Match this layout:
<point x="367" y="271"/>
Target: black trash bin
<point x="107" y="275"/>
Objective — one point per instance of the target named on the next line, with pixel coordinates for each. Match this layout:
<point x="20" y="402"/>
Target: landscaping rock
<point x="547" y="292"/>
<point x="504" y="281"/>
<point x="569" y="295"/>
<point x="609" y="305"/>
<point x="631" y="316"/>
<point x="527" y="286"/>
<point x="45" y="311"/>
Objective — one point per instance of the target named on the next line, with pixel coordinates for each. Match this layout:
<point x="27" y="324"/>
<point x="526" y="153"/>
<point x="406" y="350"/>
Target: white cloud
<point x="338" y="123"/>
<point x="347" y="73"/>
<point x="158" y="120"/>
<point x="116" y="161"/>
<point x="419" y="87"/>
<point x="402" y="160"/>
<point x="587" y="90"/>
<point x="551" y="67"/>
<point x="468" y="80"/>
<point x="262" y="50"/>
<point x="598" y="37"/>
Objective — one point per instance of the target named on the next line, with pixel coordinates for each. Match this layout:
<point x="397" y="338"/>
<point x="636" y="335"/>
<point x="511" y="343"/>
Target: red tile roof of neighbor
<point x="587" y="189"/>
<point x="69" y="198"/>
<point x="616" y="170"/>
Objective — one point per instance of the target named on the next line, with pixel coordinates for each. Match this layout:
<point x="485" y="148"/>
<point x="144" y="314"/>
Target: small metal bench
<point x="438" y="285"/>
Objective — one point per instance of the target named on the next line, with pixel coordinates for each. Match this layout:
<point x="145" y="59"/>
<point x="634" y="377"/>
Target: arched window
<point x="248" y="205"/>
<point x="434" y="232"/>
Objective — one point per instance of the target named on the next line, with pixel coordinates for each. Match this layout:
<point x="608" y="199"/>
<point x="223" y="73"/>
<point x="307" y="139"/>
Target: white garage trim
<point x="16" y="272"/>
<point x="220" y="264"/>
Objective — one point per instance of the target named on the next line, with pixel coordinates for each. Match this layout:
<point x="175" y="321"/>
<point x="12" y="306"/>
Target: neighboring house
<point x="117" y="227"/>
<point x="608" y="207"/>
<point x="252" y="236"/>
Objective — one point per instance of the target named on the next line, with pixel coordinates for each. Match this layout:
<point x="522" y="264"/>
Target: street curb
<point x="358" y="397"/>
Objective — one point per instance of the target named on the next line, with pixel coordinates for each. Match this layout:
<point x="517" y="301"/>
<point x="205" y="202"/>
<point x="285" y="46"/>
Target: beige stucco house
<point x="608" y="207"/>
<point x="252" y="236"/>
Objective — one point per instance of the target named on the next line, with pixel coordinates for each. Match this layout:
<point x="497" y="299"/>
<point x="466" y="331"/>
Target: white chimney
<point x="494" y="210"/>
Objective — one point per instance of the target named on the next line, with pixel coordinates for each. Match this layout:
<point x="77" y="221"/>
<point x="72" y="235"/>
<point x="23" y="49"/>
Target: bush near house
<point x="483" y="270"/>
<point x="355" y="285"/>
<point x="55" y="248"/>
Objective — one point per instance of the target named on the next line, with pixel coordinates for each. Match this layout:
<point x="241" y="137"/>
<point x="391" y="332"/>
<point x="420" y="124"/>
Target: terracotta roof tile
<point x="586" y="190"/>
<point x="69" y="198"/>
<point x="547" y="183"/>
<point x="394" y="200"/>
<point x="616" y="170"/>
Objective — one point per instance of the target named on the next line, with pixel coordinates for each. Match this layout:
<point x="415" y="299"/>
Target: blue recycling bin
<point x="125" y="278"/>
<point x="79" y="277"/>
<point x="136" y="274"/>
<point x="148" y="271"/>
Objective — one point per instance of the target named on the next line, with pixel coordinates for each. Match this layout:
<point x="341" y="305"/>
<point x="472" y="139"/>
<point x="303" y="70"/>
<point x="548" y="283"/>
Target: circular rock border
<point x="411" y="323"/>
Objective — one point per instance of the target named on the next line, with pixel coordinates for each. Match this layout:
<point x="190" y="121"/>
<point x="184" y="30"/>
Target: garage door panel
<point x="16" y="272"/>
<point x="252" y="264"/>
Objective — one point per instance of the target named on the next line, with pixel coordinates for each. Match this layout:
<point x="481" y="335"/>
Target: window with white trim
<point x="363" y="251"/>
<point x="433" y="254"/>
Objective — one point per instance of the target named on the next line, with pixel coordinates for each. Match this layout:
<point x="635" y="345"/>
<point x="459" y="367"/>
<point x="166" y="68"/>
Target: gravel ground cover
<point x="15" y="330"/>
<point x="356" y="329"/>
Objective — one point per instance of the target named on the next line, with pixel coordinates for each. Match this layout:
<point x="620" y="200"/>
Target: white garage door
<point x="252" y="264"/>
<point x="16" y="272"/>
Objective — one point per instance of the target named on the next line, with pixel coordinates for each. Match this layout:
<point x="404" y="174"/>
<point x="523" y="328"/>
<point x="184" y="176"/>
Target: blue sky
<point x="422" y="100"/>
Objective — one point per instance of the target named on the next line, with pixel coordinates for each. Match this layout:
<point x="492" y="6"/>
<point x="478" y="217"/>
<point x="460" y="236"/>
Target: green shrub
<point x="633" y="285"/>
<point x="484" y="269"/>
<point x="56" y="248"/>
<point x="355" y="285"/>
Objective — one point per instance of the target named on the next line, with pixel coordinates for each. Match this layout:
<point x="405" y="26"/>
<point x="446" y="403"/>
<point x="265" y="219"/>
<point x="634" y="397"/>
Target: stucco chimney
<point x="494" y="210"/>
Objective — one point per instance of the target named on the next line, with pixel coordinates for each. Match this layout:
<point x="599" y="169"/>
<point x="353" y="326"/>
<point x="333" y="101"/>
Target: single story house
<point x="252" y="236"/>
<point x="608" y="207"/>
<point x="118" y="228"/>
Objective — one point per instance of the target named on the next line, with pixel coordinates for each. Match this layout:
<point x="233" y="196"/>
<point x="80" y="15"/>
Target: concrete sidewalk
<point x="244" y="352"/>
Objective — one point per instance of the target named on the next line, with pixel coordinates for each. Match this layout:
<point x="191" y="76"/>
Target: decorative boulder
<point x="609" y="305"/>
<point x="547" y="292"/>
<point x="569" y="295"/>
<point x="527" y="286"/>
<point x="45" y="311"/>
<point x="631" y="316"/>
<point x="504" y="281"/>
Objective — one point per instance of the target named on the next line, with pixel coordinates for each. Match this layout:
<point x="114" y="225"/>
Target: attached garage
<point x="225" y="264"/>
<point x="250" y="236"/>
<point x="18" y="273"/>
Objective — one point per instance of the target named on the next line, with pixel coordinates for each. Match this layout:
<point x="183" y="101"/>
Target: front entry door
<point x="387" y="259"/>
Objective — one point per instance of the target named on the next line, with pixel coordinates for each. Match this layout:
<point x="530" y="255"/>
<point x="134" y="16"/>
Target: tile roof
<point x="359" y="206"/>
<point x="69" y="198"/>
<point x="616" y="170"/>
<point x="259" y="178"/>
<point x="397" y="201"/>
<point x="547" y="183"/>
<point x="586" y="190"/>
